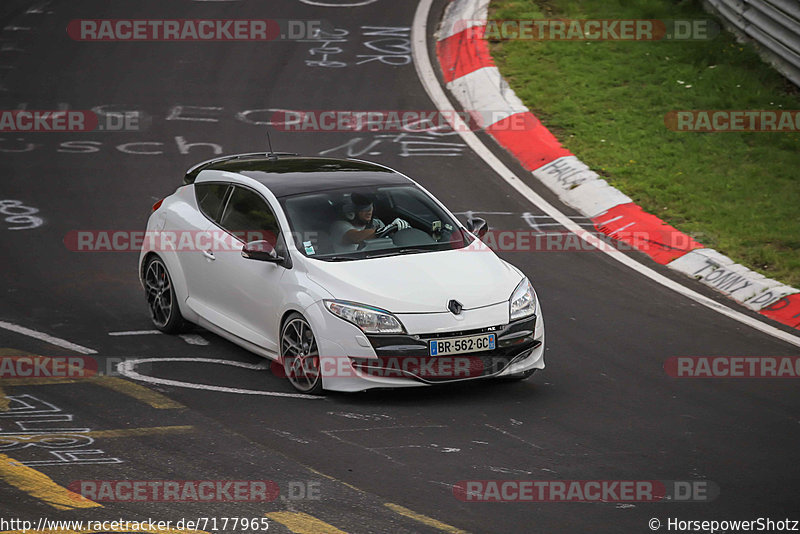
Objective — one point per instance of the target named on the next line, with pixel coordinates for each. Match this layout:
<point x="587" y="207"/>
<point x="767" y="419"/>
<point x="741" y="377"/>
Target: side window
<point x="249" y="218"/>
<point x="209" y="199"/>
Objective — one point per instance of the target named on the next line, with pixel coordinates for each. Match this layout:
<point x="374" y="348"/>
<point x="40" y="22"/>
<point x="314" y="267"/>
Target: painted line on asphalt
<point x="32" y="437"/>
<point x="429" y="80"/>
<point x="509" y="434"/>
<point x="47" y="338"/>
<point x="425" y="520"/>
<point x="301" y="523"/>
<point x="146" y="431"/>
<point x="42" y="381"/>
<point x="191" y="339"/>
<point x="406" y="512"/>
<point x="138" y="392"/>
<point x="131" y="389"/>
<point x="40" y="486"/>
<point x="127" y="367"/>
<point x="320" y="473"/>
<point x="194" y="339"/>
<point x="134" y="333"/>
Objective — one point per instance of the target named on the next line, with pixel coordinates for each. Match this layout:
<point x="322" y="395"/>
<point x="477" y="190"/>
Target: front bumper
<point x="356" y="361"/>
<point x="408" y="356"/>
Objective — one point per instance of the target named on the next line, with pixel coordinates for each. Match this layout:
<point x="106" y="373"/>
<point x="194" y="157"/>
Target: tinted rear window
<point x="209" y="198"/>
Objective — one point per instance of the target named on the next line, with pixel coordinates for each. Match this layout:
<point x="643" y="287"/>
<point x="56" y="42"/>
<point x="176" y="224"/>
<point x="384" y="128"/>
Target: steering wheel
<point x="386" y="230"/>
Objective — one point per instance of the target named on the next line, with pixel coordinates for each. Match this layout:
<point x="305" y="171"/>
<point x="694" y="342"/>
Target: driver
<point x="360" y="224"/>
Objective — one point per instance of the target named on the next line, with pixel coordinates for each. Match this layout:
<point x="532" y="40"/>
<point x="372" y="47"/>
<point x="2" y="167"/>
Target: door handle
<point x="208" y="254"/>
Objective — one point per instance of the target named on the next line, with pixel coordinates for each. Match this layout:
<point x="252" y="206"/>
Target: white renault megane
<point x="348" y="274"/>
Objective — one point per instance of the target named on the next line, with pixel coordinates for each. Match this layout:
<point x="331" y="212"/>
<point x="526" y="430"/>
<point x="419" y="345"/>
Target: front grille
<point x="460" y="333"/>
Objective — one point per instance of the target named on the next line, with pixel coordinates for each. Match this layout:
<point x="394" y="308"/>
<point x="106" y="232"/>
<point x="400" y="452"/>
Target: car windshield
<point x="370" y="221"/>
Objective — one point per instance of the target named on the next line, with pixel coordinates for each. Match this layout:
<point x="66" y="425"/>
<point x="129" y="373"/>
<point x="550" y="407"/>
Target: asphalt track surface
<point x="603" y="409"/>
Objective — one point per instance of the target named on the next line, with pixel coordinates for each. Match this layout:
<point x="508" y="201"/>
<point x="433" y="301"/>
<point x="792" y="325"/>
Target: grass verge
<point x="736" y="192"/>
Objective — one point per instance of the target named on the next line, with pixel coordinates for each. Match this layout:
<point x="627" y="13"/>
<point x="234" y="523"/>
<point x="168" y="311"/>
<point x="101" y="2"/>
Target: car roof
<point x="289" y="174"/>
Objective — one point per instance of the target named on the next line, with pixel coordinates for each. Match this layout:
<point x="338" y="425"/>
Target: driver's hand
<point x="386" y="230"/>
<point x="401" y="224"/>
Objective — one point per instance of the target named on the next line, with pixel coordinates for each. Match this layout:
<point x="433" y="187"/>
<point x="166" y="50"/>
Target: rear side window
<point x="248" y="217"/>
<point x="210" y="198"/>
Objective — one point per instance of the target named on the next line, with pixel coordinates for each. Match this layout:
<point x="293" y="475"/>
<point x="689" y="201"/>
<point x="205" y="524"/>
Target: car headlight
<point x="368" y="319"/>
<point x="523" y="301"/>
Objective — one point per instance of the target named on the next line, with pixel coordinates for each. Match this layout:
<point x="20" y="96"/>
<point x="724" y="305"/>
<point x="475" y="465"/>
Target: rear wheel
<point x="161" y="298"/>
<point x="301" y="355"/>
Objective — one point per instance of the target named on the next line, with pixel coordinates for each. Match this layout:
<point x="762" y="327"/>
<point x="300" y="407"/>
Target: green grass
<point x="738" y="193"/>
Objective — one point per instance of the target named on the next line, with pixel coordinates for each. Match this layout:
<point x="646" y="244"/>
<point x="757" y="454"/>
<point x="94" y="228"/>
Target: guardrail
<point x="773" y="24"/>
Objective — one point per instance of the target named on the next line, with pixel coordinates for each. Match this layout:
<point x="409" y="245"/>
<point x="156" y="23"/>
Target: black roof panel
<point x="286" y="176"/>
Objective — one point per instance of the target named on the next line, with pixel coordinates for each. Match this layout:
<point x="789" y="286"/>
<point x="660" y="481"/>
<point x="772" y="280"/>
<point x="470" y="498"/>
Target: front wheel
<point x="300" y="355"/>
<point x="161" y="298"/>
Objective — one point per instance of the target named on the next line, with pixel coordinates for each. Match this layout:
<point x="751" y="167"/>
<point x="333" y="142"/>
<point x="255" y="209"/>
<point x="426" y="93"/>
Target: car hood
<point x="419" y="283"/>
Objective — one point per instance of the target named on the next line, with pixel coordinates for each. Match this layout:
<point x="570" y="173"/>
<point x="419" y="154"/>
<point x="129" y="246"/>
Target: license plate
<point x="460" y="345"/>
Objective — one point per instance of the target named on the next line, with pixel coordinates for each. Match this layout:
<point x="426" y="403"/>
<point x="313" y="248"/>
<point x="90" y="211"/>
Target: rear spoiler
<point x="191" y="174"/>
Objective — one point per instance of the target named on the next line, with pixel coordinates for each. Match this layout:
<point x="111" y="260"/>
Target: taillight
<point x="158" y="204"/>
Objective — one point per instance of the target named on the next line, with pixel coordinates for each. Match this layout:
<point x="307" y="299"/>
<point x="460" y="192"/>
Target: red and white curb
<point x="471" y="76"/>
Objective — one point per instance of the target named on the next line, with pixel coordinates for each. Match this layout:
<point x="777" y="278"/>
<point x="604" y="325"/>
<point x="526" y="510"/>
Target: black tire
<point x="162" y="301"/>
<point x="300" y="355"/>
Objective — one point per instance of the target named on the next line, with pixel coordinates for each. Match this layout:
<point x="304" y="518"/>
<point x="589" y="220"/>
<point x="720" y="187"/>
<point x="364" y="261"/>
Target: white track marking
<point x="375" y="450"/>
<point x="509" y="434"/>
<point x="288" y="435"/>
<point x="362" y="416"/>
<point x="194" y="339"/>
<point x="191" y="339"/>
<point x="47" y="338"/>
<point x="504" y="470"/>
<point x="127" y="367"/>
<point x="427" y="76"/>
<point x="134" y="333"/>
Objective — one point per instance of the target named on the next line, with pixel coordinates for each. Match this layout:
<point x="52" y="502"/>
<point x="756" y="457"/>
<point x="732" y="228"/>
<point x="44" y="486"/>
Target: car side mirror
<point x="261" y="251"/>
<point x="477" y="226"/>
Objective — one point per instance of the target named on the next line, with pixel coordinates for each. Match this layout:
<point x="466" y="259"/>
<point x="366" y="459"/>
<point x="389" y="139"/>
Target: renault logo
<point x="455" y="307"/>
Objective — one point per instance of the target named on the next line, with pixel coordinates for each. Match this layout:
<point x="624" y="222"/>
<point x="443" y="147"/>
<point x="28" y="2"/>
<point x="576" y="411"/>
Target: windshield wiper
<point x="399" y="251"/>
<point x="337" y="258"/>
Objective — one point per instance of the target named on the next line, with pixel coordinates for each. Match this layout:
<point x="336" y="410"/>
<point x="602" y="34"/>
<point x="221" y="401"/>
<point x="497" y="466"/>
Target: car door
<point x="197" y="261"/>
<point x="248" y="292"/>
